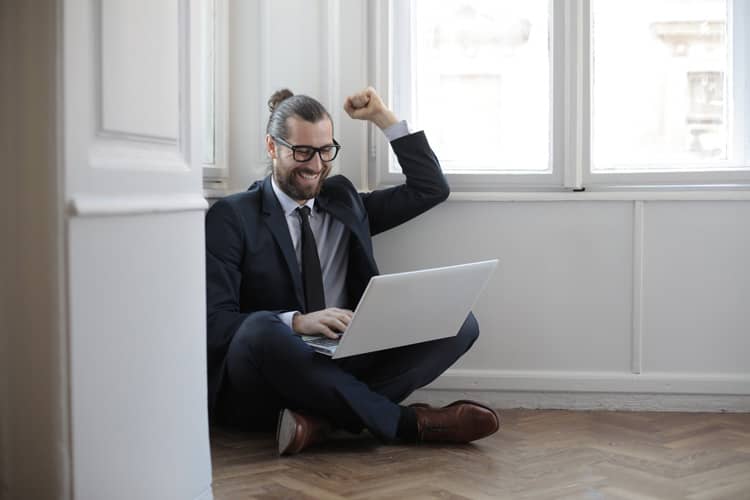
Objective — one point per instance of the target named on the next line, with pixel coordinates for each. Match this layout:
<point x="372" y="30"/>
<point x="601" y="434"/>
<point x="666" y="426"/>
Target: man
<point x="293" y="255"/>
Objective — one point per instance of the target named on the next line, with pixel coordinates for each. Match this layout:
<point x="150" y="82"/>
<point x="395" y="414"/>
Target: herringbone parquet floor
<point x="535" y="455"/>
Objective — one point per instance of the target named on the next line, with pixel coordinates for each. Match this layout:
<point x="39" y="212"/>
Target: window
<point x="214" y="72"/>
<point x="485" y="64"/>
<point x="545" y="95"/>
<point x="667" y="92"/>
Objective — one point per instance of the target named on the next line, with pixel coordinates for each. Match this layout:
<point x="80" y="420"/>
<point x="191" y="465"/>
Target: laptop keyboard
<point x="324" y="342"/>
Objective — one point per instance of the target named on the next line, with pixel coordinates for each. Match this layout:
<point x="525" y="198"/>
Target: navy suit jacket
<point x="250" y="261"/>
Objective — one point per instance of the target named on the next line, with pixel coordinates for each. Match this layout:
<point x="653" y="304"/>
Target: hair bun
<point x="278" y="97"/>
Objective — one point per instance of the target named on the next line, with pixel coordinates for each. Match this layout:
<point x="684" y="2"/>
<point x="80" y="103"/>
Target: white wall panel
<point x="293" y="45"/>
<point x="140" y="74"/>
<point x="247" y="111"/>
<point x="352" y="77"/>
<point x="136" y="279"/>
<point x="132" y="96"/>
<point x="696" y="316"/>
<point x="292" y="54"/>
<point x="138" y="361"/>
<point x="561" y="297"/>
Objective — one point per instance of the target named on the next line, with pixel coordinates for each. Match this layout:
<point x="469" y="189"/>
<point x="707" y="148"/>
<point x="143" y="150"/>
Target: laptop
<point x="407" y="308"/>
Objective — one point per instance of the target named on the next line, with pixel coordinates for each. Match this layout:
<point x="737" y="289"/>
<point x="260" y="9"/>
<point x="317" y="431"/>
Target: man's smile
<point x="308" y="175"/>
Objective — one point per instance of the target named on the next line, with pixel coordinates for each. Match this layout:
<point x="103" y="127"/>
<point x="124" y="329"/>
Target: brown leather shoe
<point x="295" y="431"/>
<point x="459" y="422"/>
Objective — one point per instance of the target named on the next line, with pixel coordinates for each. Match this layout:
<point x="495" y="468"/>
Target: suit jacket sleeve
<point x="424" y="188"/>
<point x="224" y="250"/>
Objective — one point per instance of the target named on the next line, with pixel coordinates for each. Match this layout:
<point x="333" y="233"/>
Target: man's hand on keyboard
<point x="329" y="322"/>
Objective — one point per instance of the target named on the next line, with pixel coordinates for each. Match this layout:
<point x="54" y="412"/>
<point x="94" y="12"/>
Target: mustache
<point x="311" y="171"/>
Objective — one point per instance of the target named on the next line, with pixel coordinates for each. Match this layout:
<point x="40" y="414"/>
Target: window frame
<point x="216" y="39"/>
<point x="570" y="120"/>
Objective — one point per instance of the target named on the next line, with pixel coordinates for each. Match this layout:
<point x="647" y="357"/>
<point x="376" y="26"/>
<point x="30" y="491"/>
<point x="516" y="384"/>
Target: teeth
<point x="308" y="176"/>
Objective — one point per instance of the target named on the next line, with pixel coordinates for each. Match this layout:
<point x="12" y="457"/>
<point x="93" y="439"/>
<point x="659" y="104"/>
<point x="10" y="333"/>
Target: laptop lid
<point x="416" y="306"/>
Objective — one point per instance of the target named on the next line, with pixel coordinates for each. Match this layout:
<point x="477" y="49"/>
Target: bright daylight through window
<point x="662" y="85"/>
<point x="482" y="83"/>
<point x="539" y="92"/>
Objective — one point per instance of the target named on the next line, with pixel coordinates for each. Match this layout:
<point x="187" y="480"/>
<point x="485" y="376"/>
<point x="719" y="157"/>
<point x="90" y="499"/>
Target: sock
<point x="407" y="425"/>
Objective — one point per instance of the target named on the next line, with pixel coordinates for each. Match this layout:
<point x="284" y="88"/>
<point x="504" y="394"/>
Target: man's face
<point x="301" y="180"/>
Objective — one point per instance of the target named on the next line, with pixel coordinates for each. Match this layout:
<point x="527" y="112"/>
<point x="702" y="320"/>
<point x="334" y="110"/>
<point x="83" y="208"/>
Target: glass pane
<point x="482" y="83"/>
<point x="660" y="76"/>
<point x="208" y="74"/>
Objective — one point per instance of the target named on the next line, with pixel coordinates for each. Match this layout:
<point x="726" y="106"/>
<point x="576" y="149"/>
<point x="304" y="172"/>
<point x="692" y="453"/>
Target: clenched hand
<point x="367" y="105"/>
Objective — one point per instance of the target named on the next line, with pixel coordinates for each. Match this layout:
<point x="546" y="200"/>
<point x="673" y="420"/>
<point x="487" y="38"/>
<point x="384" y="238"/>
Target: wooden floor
<point x="536" y="454"/>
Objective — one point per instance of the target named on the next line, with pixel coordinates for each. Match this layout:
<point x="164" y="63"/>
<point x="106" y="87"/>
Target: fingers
<point x="367" y="105"/>
<point x="361" y="99"/>
<point x="327" y="332"/>
<point x="362" y="104"/>
<point x="329" y="322"/>
<point x="331" y="327"/>
<point x="354" y="111"/>
<point x="336" y="321"/>
<point x="349" y="107"/>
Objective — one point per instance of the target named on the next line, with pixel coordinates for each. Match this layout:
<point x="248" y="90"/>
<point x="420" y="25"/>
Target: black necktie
<point x="311" y="275"/>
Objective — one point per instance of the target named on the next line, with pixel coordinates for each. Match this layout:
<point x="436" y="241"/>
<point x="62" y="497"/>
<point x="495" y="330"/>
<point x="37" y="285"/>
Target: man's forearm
<point x="384" y="119"/>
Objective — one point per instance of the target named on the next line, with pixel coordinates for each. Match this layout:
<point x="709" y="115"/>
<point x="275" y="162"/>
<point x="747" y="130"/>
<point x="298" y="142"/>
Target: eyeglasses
<point x="306" y="153"/>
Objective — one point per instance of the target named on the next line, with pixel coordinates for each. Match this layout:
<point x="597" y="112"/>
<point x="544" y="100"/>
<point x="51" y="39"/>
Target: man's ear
<point x="270" y="147"/>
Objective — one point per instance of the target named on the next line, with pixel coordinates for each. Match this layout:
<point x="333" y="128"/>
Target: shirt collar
<point x="288" y="205"/>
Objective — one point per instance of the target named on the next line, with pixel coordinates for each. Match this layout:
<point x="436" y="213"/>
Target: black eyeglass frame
<point x="296" y="150"/>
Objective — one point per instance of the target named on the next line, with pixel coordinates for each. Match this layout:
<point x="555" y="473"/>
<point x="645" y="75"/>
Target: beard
<point x="295" y="187"/>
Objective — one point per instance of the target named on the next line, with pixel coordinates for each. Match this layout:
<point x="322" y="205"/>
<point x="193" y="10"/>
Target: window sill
<point x="635" y="193"/>
<point x="213" y="189"/>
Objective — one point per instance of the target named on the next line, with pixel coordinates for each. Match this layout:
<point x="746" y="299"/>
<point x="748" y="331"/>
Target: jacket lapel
<point x="276" y="222"/>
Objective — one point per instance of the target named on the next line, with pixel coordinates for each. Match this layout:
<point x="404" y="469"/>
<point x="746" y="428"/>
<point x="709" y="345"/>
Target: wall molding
<point x="636" y="361"/>
<point x="96" y="206"/>
<point x="661" y="383"/>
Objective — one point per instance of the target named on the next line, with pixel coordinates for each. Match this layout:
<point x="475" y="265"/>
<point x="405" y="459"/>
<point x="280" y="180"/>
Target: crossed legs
<point x="270" y="368"/>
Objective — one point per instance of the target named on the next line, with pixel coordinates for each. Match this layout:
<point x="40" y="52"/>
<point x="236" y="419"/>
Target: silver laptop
<point x="407" y="308"/>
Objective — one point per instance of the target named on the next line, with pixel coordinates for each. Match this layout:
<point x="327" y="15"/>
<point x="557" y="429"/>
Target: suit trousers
<point x="269" y="367"/>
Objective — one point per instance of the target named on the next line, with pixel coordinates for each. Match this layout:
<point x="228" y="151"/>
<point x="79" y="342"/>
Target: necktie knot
<point x="304" y="211"/>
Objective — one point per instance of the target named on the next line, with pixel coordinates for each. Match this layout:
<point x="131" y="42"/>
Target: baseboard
<point x="569" y="381"/>
<point x="593" y="390"/>
<point x="589" y="401"/>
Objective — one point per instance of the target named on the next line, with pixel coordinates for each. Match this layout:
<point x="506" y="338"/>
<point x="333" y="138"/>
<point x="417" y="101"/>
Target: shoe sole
<point x="286" y="429"/>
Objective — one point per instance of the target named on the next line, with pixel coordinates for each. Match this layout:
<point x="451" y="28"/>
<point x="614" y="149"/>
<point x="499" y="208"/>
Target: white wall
<point x="577" y="306"/>
<point x="136" y="265"/>
<point x="622" y="302"/>
<point x="102" y="354"/>
<point x="137" y="362"/>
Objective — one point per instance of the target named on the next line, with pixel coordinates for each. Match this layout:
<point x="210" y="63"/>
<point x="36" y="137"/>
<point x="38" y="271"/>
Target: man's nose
<point x="316" y="162"/>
